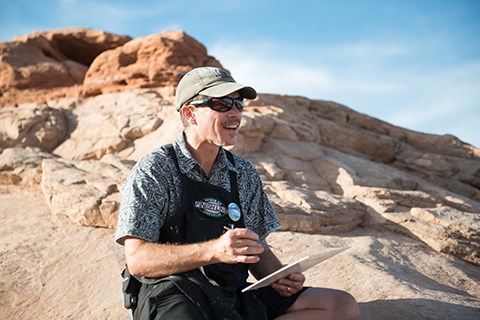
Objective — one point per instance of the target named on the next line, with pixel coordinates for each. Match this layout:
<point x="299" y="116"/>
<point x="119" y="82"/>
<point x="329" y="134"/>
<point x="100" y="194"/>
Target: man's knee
<point x="346" y="306"/>
<point x="336" y="302"/>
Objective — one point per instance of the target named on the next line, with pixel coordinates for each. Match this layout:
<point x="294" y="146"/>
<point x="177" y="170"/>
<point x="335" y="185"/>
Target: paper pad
<point x="298" y="266"/>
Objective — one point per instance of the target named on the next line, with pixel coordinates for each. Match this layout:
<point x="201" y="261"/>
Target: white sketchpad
<point x="300" y="265"/>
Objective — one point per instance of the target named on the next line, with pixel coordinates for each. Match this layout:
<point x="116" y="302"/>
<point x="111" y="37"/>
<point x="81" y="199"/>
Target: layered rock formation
<point x="75" y="121"/>
<point x="327" y="168"/>
<point x="80" y="62"/>
<point x="46" y="65"/>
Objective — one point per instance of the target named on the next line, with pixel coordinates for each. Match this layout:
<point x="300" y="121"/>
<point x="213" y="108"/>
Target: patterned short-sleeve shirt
<point x="152" y="193"/>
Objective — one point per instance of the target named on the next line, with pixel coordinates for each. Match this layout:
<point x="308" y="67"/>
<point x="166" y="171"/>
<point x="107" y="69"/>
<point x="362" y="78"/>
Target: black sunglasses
<point x="223" y="104"/>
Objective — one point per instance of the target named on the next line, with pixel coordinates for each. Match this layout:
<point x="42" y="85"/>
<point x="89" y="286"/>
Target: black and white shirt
<point x="152" y="193"/>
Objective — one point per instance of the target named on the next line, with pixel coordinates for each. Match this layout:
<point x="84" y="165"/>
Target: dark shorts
<point x="165" y="301"/>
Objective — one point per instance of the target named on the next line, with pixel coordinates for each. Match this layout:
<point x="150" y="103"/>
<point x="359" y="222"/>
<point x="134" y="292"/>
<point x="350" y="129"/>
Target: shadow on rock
<point x="417" y="309"/>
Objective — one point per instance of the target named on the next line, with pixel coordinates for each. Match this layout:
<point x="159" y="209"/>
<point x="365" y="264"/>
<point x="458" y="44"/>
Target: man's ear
<point x="188" y="114"/>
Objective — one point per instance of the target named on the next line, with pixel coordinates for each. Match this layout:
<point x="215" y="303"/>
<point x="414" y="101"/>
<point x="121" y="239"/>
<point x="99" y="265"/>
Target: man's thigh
<point x="317" y="298"/>
<point x="166" y="301"/>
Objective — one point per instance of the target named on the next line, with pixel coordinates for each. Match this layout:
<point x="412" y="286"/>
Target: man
<point x="192" y="215"/>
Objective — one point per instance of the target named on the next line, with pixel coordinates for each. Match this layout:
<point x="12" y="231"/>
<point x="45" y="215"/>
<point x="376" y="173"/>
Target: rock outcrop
<point x="85" y="192"/>
<point x="46" y="65"/>
<point x="314" y="186"/>
<point x="159" y="60"/>
<point x="32" y="125"/>
<point x="327" y="168"/>
<point x="79" y="62"/>
<point x="78" y="107"/>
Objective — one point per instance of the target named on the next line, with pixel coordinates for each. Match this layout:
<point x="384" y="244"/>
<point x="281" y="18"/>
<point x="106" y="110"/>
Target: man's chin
<point x="229" y="142"/>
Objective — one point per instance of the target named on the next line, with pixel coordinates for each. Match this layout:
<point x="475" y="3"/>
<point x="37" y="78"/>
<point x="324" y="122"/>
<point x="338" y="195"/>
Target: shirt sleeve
<point x="142" y="207"/>
<point x="260" y="216"/>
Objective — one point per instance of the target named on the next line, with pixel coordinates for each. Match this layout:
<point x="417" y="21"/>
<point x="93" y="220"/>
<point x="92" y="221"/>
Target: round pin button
<point x="234" y="212"/>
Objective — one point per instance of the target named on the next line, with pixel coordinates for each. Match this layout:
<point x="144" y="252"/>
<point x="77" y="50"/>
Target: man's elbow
<point x="133" y="259"/>
<point x="134" y="267"/>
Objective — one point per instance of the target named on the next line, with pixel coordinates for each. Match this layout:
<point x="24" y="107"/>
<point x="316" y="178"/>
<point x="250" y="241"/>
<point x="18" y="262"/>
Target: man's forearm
<point x="158" y="260"/>
<point x="268" y="263"/>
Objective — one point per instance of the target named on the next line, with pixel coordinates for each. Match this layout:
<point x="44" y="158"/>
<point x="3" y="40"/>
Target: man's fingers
<point x="247" y="259"/>
<point x="285" y="290"/>
<point x="243" y="233"/>
<point x="290" y="284"/>
<point x="243" y="242"/>
<point x="240" y="246"/>
<point x="297" y="277"/>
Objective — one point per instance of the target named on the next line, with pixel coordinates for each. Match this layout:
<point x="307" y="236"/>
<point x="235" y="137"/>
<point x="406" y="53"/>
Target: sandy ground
<point x="57" y="270"/>
<point x="54" y="269"/>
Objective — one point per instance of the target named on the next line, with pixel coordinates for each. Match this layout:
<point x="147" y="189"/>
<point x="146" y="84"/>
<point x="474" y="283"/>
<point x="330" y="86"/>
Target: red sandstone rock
<point x="52" y="60"/>
<point x="155" y="61"/>
<point x="81" y="62"/>
<point x="77" y="44"/>
<point x="23" y="66"/>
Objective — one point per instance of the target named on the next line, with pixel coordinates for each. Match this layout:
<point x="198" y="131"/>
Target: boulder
<point x="110" y="123"/>
<point x="85" y="192"/>
<point x="22" y="166"/>
<point x="32" y="125"/>
<point x="52" y="58"/>
<point x="157" y="60"/>
<point x="50" y="64"/>
<point x="24" y="66"/>
<point x="81" y="45"/>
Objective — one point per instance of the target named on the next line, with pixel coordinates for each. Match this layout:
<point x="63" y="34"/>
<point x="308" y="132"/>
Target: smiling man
<point x="192" y="215"/>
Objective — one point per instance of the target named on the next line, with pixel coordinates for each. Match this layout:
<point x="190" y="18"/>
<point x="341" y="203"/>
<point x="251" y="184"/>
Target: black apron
<point x="202" y="216"/>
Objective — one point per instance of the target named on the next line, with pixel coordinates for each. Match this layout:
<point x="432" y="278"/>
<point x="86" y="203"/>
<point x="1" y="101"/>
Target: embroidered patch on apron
<point x="211" y="207"/>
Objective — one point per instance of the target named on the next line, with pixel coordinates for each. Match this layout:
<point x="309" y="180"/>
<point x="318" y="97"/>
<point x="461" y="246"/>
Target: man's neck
<point x="205" y="153"/>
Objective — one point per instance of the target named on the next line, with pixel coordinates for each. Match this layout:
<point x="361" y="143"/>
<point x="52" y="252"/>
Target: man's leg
<point x="165" y="301"/>
<point x="320" y="303"/>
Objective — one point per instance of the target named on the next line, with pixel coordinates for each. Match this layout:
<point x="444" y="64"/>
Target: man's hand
<point x="237" y="246"/>
<point x="289" y="285"/>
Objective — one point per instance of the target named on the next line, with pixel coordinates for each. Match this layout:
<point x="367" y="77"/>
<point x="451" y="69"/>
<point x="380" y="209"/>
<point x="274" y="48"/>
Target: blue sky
<point x="415" y="64"/>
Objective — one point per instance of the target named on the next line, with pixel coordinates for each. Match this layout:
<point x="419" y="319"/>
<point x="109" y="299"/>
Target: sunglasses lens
<point x="221" y="105"/>
<point x="226" y="104"/>
<point x="240" y="105"/>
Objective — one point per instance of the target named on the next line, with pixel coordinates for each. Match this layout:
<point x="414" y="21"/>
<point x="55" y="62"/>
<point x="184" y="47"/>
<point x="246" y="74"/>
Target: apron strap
<point x="233" y="181"/>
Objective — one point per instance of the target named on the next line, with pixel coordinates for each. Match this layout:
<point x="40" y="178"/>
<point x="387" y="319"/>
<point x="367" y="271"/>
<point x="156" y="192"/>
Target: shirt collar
<point x="187" y="162"/>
